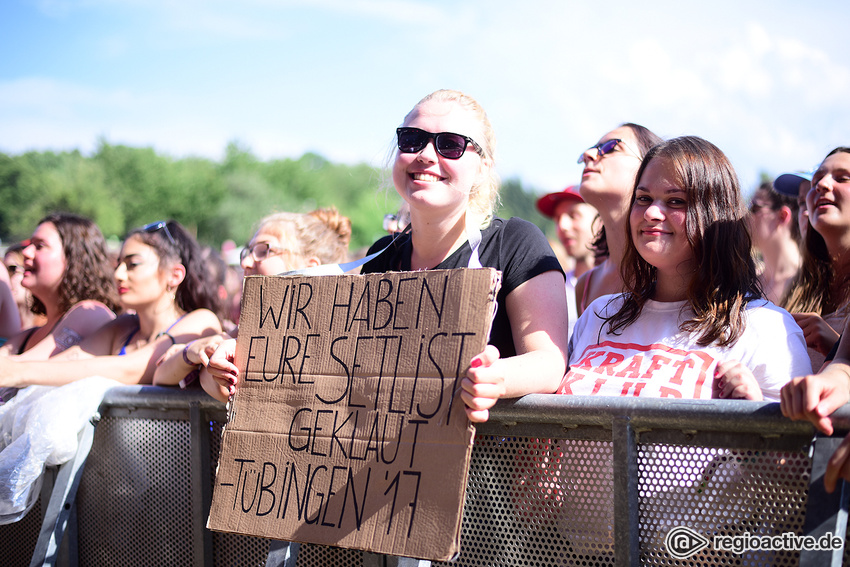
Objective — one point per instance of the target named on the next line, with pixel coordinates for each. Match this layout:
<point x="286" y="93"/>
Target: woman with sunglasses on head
<point x="606" y="183"/>
<point x="444" y="170"/>
<point x="66" y="269"/>
<point x="163" y="282"/>
<point x="693" y="309"/>
<point x="283" y="242"/>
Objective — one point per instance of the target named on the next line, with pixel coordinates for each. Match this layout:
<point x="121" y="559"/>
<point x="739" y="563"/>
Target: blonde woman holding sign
<point x="444" y="171"/>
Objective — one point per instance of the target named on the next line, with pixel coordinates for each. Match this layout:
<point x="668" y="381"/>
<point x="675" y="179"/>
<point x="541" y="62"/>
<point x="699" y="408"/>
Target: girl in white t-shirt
<point x="693" y="322"/>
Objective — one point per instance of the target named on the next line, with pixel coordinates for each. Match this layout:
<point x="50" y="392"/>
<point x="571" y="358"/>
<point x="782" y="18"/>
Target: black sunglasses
<point x="603" y="148"/>
<point x="447" y="144"/>
<point x="159" y="225"/>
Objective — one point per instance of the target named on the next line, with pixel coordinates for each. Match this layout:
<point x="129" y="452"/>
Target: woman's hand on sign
<point x="222" y="369"/>
<point x="735" y="381"/>
<point x="483" y="385"/>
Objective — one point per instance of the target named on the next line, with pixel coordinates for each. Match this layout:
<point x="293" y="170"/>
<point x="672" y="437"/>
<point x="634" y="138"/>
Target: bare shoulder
<point x="107" y="338"/>
<point x="89" y="310"/>
<point x="84" y="318"/>
<point x="200" y="321"/>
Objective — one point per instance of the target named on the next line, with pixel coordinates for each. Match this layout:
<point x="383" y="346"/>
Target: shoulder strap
<point x="23" y="346"/>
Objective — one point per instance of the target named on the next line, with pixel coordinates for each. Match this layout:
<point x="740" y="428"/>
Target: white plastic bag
<point x="40" y="426"/>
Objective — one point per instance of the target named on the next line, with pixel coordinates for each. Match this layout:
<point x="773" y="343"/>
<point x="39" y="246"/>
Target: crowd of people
<point x="674" y="285"/>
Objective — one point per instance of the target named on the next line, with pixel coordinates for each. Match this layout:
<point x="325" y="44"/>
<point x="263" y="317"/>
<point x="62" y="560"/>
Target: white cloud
<point x="553" y="76"/>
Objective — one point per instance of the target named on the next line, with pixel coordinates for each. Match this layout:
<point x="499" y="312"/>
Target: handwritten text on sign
<point x="347" y="428"/>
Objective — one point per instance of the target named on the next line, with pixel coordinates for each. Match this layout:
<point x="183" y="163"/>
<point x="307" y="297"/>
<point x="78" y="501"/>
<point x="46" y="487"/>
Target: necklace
<point x="143" y="342"/>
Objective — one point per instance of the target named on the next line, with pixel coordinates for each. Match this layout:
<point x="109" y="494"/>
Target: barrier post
<point x="626" y="515"/>
<point x="825" y="513"/>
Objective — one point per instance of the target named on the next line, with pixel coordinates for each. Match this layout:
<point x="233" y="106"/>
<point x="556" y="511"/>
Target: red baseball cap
<point x="547" y="203"/>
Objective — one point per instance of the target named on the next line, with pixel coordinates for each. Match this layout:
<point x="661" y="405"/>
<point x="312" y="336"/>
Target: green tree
<point x="122" y="187"/>
<point x="518" y="202"/>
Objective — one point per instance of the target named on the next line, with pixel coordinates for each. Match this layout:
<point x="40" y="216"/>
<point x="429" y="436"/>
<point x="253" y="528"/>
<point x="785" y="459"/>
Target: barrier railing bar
<point x="201" y="482"/>
<point x="626" y="516"/>
<point x="160" y="397"/>
<point x="718" y="415"/>
<point x="659" y="413"/>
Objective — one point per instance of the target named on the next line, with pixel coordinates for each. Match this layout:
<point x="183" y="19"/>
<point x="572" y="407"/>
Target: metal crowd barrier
<point x="554" y="480"/>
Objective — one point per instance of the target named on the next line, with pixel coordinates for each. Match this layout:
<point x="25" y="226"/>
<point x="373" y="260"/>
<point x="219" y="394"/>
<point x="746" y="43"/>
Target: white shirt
<point x="653" y="358"/>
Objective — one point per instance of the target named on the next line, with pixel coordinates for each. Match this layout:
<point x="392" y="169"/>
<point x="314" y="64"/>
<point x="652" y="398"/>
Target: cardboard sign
<point x="348" y="428"/>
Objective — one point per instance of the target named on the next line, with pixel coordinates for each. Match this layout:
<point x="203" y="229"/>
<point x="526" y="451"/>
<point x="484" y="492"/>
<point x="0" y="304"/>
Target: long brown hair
<point x="88" y="271"/>
<point x="725" y="279"/>
<point x="813" y="289"/>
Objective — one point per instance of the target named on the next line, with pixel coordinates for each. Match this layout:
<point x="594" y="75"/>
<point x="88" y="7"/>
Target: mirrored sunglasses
<point x="601" y="148"/>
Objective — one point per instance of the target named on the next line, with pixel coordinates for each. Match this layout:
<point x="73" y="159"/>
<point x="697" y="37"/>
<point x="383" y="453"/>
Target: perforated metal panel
<point x="316" y="555"/>
<point x="550" y="502"/>
<point x="718" y="492"/>
<point x="134" y="501"/>
<point x="517" y="499"/>
<point x="21" y="536"/>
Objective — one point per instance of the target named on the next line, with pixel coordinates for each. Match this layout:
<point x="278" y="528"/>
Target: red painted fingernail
<point x="476" y="362"/>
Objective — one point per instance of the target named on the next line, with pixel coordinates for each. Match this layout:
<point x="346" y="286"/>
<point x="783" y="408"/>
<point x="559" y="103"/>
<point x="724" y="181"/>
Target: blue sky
<point x="768" y="82"/>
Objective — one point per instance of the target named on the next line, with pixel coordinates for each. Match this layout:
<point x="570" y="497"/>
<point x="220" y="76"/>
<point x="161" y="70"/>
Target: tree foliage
<point x="122" y="187"/>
